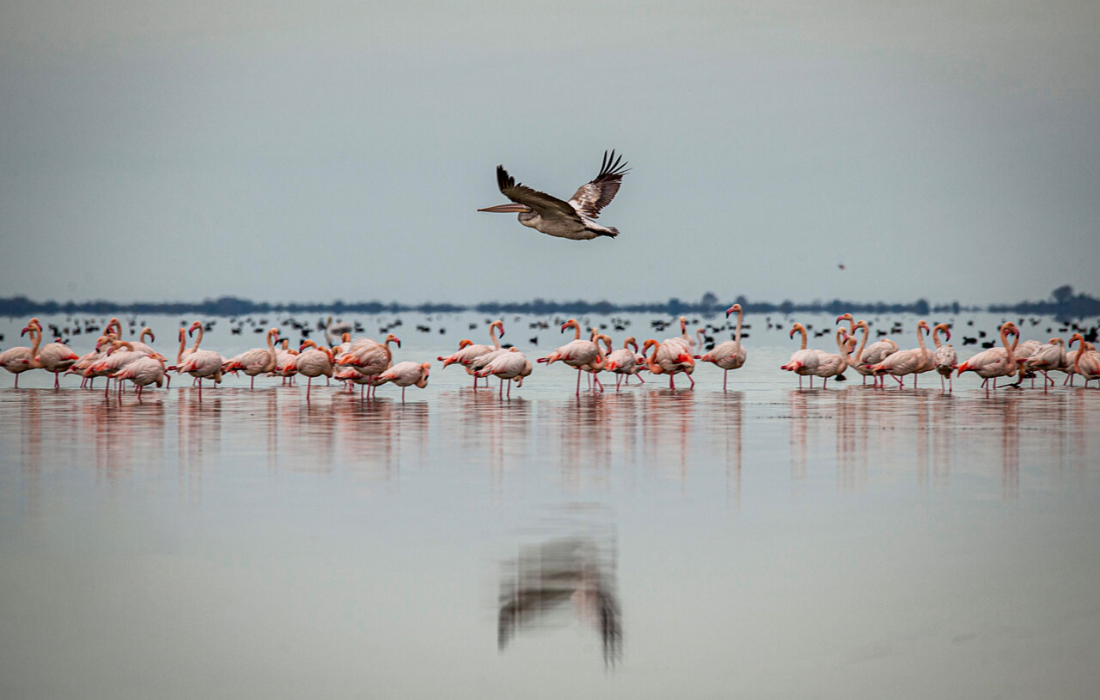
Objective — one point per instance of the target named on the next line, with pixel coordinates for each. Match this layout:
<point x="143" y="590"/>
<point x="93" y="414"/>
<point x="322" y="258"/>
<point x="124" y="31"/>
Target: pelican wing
<point x="544" y="204"/>
<point x="594" y="196"/>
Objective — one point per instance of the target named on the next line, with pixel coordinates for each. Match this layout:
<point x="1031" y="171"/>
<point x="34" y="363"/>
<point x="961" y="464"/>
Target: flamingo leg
<point x="309" y="385"/>
<point x="402" y="394"/>
<point x="640" y="379"/>
<point x="672" y="381"/>
<point x="598" y="382"/>
<point x="56" y="381"/>
<point x="692" y="382"/>
<point x="252" y="385"/>
<point x="725" y="375"/>
<point x="825" y="383"/>
<point x="578" y="382"/>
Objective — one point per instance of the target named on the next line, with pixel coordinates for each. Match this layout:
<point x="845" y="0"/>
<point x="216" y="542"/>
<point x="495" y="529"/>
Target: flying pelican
<point x="574" y="219"/>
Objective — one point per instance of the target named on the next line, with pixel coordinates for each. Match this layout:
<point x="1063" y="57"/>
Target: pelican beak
<point x="509" y="208"/>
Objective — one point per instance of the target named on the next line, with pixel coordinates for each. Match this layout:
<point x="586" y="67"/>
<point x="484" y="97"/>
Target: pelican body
<point x="575" y="219"/>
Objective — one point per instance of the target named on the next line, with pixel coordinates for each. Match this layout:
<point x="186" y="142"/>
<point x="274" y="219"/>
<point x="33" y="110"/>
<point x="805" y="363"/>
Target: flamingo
<point x="803" y="362"/>
<point x="577" y="354"/>
<point x="119" y="354"/>
<point x="286" y="361"/>
<point x="512" y="365"/>
<point x="1067" y="364"/>
<point x="903" y="362"/>
<point x="856" y="361"/>
<point x="830" y="365"/>
<point x="599" y="364"/>
<point x="54" y="357"/>
<point x="313" y="360"/>
<point x="945" y="358"/>
<point x="729" y="354"/>
<point x="405" y="374"/>
<point x="1086" y="362"/>
<point x="468" y="352"/>
<point x="670" y="357"/>
<point x="575" y="219"/>
<point x="871" y="354"/>
<point x="624" y="361"/>
<point x="1023" y="352"/>
<point x="200" y="364"/>
<point x="20" y="359"/>
<point x="143" y="370"/>
<point x="995" y="362"/>
<point x="351" y="376"/>
<point x="139" y="345"/>
<point x="86" y="361"/>
<point x="371" y="359"/>
<point x="255" y="361"/>
<point x="1048" y="357"/>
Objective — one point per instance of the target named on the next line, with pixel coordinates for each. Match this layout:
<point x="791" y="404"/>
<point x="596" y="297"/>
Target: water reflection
<point x="549" y="582"/>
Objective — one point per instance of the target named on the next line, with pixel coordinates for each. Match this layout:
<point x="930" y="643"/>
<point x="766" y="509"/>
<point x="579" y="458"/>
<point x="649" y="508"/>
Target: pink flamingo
<point x="729" y="354"/>
<point x="577" y="354"/>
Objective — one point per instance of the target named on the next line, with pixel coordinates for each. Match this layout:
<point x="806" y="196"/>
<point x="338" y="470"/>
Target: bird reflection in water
<point x="198" y="430"/>
<point x="371" y="439"/>
<point x="546" y="581"/>
<point x="669" y="423"/>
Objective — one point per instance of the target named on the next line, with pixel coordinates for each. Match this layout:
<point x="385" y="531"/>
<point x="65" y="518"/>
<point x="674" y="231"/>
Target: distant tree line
<point x="1063" y="303"/>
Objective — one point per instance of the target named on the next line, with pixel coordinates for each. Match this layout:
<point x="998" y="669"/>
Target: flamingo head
<point x="735" y="309"/>
<point x="194" y="327"/>
<point x="923" y="324"/>
<point x="497" y="324"/>
<point x="844" y="317"/>
<point x="465" y="343"/>
<point x="631" y="341"/>
<point x="391" y="338"/>
<point x="307" y="344"/>
<point x="1077" y="338"/>
<point x="797" y="328"/>
<point x="571" y="323"/>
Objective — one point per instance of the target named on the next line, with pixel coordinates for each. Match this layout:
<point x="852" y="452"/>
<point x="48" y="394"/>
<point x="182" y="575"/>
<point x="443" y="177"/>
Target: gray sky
<point x="164" y="150"/>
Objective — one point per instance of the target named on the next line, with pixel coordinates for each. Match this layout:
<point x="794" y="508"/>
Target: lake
<point x="762" y="542"/>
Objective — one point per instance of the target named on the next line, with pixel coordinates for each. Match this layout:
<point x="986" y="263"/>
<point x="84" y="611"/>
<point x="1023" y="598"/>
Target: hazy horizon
<point x="336" y="151"/>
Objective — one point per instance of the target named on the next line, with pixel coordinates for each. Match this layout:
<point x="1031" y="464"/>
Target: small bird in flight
<point x="575" y="219"/>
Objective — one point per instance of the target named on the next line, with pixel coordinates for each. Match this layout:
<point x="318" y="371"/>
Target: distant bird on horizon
<point x="575" y="219"/>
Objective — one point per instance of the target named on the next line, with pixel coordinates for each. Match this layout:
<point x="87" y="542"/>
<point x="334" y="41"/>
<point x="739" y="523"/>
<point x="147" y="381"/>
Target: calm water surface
<point x="646" y="543"/>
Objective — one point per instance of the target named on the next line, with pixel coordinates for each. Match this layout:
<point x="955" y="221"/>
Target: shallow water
<point x="765" y="541"/>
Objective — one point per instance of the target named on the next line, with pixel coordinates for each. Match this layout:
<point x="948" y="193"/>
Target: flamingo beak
<point x="509" y="208"/>
<point x="25" y="331"/>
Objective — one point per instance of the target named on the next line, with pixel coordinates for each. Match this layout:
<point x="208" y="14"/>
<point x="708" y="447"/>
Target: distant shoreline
<point x="1064" y="304"/>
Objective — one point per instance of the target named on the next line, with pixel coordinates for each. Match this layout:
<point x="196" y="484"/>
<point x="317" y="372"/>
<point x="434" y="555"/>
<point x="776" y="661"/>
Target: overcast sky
<point x="162" y="150"/>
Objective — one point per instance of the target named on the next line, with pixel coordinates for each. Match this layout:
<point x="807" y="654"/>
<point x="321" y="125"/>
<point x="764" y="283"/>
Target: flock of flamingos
<point x="369" y="363"/>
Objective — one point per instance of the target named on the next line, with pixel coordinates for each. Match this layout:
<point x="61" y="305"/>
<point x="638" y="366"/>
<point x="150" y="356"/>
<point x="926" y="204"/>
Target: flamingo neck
<point x="863" y="343"/>
<point x="737" y="333"/>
